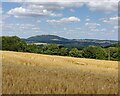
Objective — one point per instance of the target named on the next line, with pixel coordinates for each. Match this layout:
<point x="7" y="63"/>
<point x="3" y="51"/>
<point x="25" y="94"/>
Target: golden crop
<point x="44" y="74"/>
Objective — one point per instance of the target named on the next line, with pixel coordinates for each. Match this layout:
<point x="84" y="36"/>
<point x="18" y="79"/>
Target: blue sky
<point x="74" y="20"/>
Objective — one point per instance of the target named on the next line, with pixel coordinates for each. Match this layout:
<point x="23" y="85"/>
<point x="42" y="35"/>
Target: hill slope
<point x="68" y="42"/>
<point x="36" y="73"/>
<point x="48" y="39"/>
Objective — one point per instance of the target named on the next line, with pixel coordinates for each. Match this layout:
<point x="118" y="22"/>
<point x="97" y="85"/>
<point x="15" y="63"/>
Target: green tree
<point x="94" y="52"/>
<point x="63" y="51"/>
<point x="112" y="53"/>
<point x="32" y="48"/>
<point x="13" y="43"/>
<point x="51" y="49"/>
<point x="74" y="52"/>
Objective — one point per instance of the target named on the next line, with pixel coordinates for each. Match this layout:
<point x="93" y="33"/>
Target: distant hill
<point x="68" y="42"/>
<point x="48" y="39"/>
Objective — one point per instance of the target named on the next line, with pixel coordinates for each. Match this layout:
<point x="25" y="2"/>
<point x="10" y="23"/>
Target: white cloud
<point x="110" y="20"/>
<point x="42" y="6"/>
<point x="25" y="12"/>
<point x="95" y="30"/>
<point x="87" y="20"/>
<point x="92" y="24"/>
<point x="115" y="18"/>
<point x="48" y="8"/>
<point x="103" y="5"/>
<point x="103" y="29"/>
<point x="65" y="29"/>
<point x="94" y="27"/>
<point x="1" y="11"/>
<point x="70" y="19"/>
<point x="98" y="30"/>
<point x="19" y="27"/>
<point x="64" y="20"/>
<point x="41" y="9"/>
<point x="116" y="27"/>
<point x="38" y="21"/>
<point x="36" y="28"/>
<point x="61" y="1"/>
<point x="72" y="10"/>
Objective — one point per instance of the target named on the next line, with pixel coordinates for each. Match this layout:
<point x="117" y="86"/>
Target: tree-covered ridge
<point x="14" y="43"/>
<point x="69" y="42"/>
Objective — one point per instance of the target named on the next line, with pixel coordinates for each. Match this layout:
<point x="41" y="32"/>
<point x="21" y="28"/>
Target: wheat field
<point x="29" y="73"/>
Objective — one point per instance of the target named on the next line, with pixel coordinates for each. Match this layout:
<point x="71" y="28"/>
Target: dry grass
<point x="37" y="74"/>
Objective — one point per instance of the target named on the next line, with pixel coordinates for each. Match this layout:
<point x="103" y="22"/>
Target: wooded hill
<point x="14" y="43"/>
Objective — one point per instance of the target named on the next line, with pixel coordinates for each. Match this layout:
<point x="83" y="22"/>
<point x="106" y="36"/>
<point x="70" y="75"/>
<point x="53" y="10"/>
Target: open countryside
<point x="39" y="74"/>
<point x="59" y="47"/>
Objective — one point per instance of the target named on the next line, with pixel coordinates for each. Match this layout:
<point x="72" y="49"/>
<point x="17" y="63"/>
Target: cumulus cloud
<point x="23" y="12"/>
<point x="64" y="20"/>
<point x="111" y="20"/>
<point x="103" y="5"/>
<point x="19" y="27"/>
<point x="94" y="27"/>
<point x="115" y="18"/>
<point x="41" y="9"/>
<point x="62" y="0"/>
<point x="93" y="5"/>
<point x="98" y="30"/>
<point x="95" y="30"/>
<point x="92" y="24"/>
<point x="48" y="8"/>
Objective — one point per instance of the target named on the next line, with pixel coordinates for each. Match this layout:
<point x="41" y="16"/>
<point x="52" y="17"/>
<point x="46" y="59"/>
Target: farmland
<point x="45" y="74"/>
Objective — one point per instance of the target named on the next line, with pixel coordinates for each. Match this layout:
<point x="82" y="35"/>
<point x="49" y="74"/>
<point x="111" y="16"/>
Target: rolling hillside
<point x="68" y="42"/>
<point x="37" y="74"/>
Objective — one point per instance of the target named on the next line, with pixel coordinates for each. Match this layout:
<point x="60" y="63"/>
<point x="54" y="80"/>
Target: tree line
<point x="14" y="43"/>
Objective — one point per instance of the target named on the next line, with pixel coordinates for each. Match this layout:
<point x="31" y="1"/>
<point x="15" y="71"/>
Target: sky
<point x="72" y="20"/>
